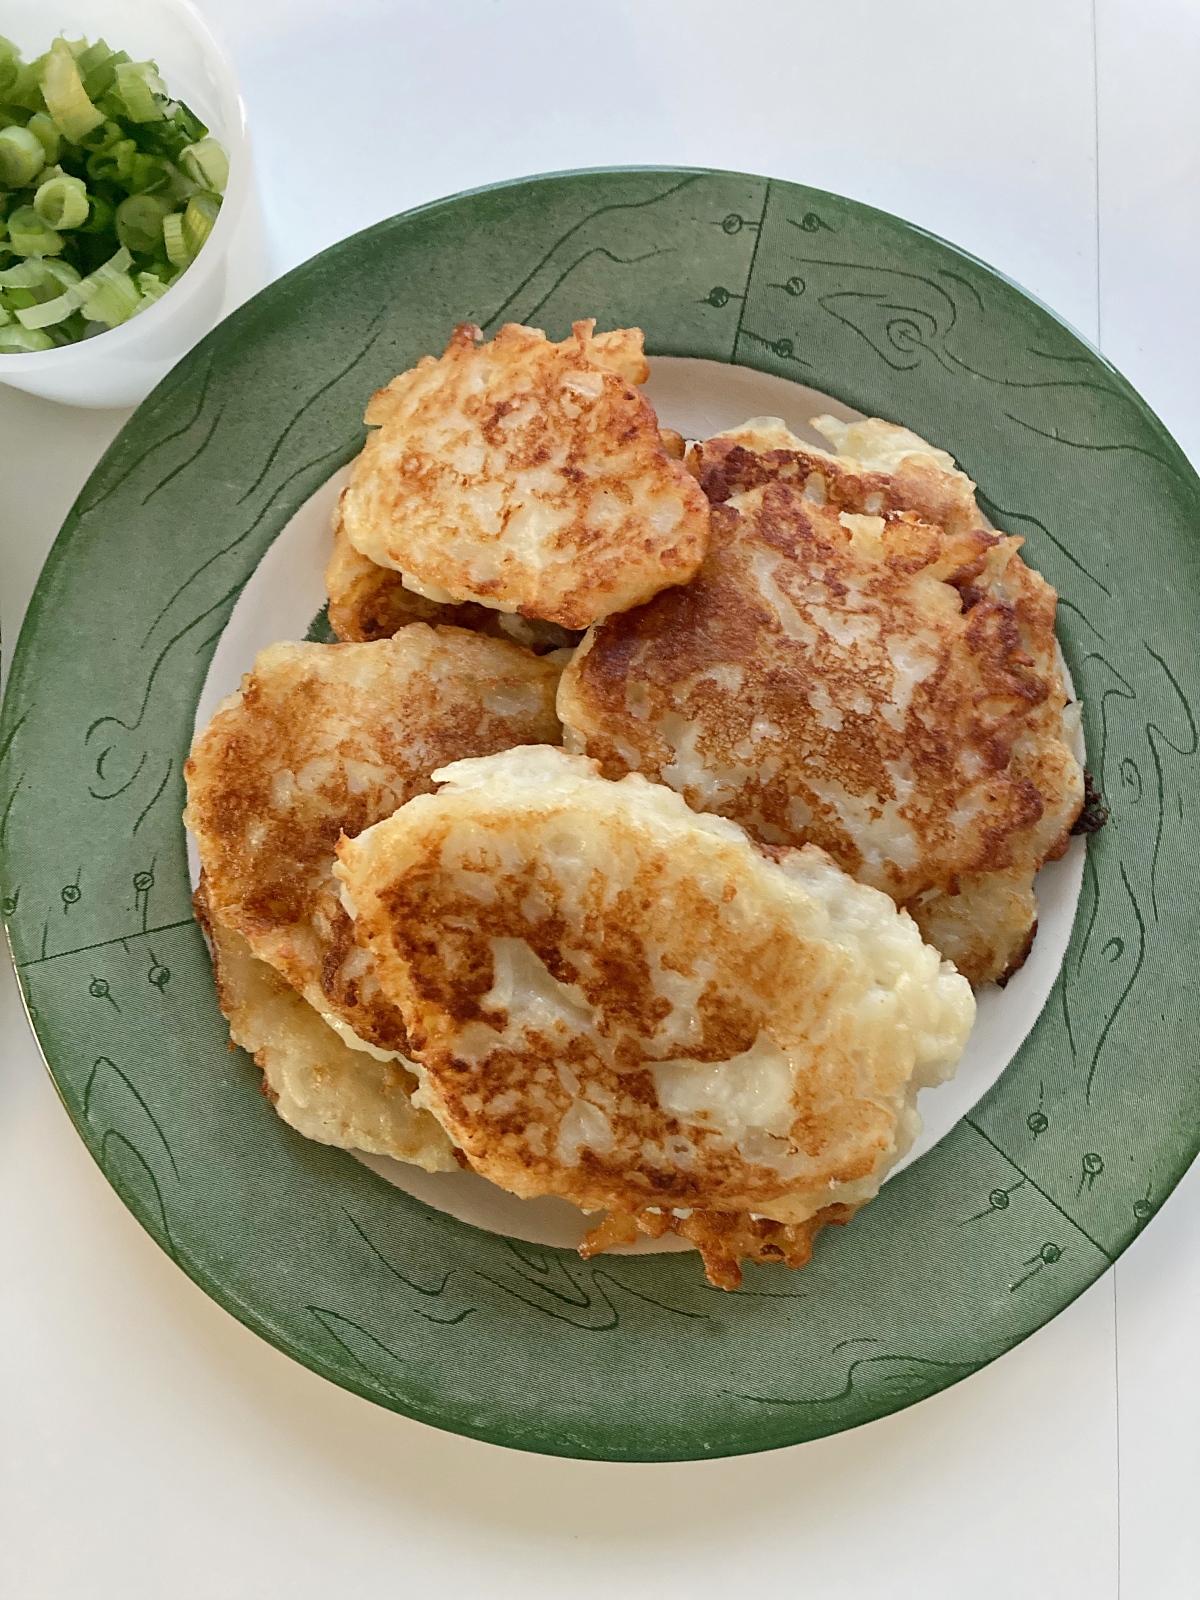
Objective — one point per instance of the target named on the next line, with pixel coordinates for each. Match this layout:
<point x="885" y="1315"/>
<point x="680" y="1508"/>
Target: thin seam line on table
<point x="1117" y="1420"/>
<point x="102" y="944"/>
<point x="1033" y="1183"/>
<point x="1096" y="153"/>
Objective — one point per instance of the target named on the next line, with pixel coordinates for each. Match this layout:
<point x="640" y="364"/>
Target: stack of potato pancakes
<point x="642" y="842"/>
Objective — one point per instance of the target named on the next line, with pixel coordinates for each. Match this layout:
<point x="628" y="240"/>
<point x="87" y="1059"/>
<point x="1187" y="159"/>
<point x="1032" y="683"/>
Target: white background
<point x="149" y="1445"/>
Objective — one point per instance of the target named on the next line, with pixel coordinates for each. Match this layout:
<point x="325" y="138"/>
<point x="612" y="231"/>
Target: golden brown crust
<point x="725" y="468"/>
<point x="324" y="740"/>
<point x="527" y="476"/>
<point x="725" y="1239"/>
<point x="882" y="686"/>
<point x="620" y="1003"/>
<point x="368" y="602"/>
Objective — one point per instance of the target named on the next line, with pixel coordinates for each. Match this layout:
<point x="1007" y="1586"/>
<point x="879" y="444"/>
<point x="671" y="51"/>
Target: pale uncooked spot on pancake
<point x="322" y="740"/>
<point x="846" y="672"/>
<point x="526" y="476"/>
<point x="615" y="1000"/>
<point x="318" y="1085"/>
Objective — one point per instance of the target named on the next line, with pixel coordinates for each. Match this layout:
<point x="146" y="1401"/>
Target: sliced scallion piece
<point x="62" y="202"/>
<point x="16" y="340"/>
<point x="101" y="217"/>
<point x="22" y="156"/>
<point x="28" y="235"/>
<point x="61" y="272"/>
<point x="152" y="287"/>
<point x="207" y="163"/>
<point x="140" y="223"/>
<point x="109" y="294"/>
<point x="50" y="311"/>
<point x="143" y="91"/>
<point x="198" y="220"/>
<point x="66" y="99"/>
<point x="173" y="239"/>
<point x="43" y="129"/>
<point x="25" y="275"/>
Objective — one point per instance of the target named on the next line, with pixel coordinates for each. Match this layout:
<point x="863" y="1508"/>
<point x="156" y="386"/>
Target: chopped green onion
<point x="138" y="83"/>
<point x="28" y="235"/>
<point x="177" y="188"/>
<point x="50" y="311"/>
<point x="43" y="129"/>
<point x="16" y="340"/>
<point x="207" y="163"/>
<point x="109" y="294"/>
<point x="177" y="250"/>
<point x="21" y="156"/>
<point x="66" y="99"/>
<point x="140" y="222"/>
<point x="91" y="57"/>
<point x="101" y="218"/>
<point x="62" y="202"/>
<point x="108" y="190"/>
<point x="26" y="275"/>
<point x="152" y="287"/>
<point x="198" y="220"/>
<point x="25" y="90"/>
<point x="59" y="272"/>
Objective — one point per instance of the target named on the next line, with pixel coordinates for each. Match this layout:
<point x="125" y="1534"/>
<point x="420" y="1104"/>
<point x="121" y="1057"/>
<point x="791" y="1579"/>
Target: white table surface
<point x="149" y="1444"/>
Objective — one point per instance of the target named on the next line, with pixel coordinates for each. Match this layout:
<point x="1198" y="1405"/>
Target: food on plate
<point x="862" y="665"/>
<point x="690" y="971"/>
<point x="367" y="602"/>
<point x="317" y="1084"/>
<point x="613" y="999"/>
<point x="108" y="189"/>
<point x="880" y="469"/>
<point x="526" y="476"/>
<point x="324" y="740"/>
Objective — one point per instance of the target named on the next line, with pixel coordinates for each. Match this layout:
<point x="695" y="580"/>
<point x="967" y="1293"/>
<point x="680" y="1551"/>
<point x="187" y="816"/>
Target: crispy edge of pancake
<point x="763" y="450"/>
<point x="724" y="1239"/>
<point x="369" y="602"/>
<point x="235" y="758"/>
<point x="410" y="508"/>
<point x="318" y="1085"/>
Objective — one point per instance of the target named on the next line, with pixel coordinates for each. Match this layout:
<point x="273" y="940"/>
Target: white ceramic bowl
<point x="120" y="366"/>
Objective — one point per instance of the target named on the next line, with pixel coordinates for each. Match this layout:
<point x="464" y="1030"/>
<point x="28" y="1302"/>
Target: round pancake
<point x="317" y="1084"/>
<point x="322" y="740"/>
<point x="368" y="602"/>
<point x="885" y="687"/>
<point x="614" y="1000"/>
<point x="526" y="476"/>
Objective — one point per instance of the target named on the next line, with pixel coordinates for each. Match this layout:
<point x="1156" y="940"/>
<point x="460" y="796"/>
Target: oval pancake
<point x="526" y="476"/>
<point x="884" y="686"/>
<point x="322" y="740"/>
<point x="317" y="1084"/>
<point x="612" y="999"/>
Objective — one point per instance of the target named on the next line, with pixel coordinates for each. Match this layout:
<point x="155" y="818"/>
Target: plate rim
<point x="41" y="604"/>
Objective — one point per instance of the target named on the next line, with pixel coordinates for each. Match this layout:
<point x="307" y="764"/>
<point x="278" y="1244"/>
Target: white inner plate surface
<point x="698" y="398"/>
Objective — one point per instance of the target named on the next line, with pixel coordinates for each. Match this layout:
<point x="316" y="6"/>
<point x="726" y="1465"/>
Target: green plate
<point x="1018" y="1209"/>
